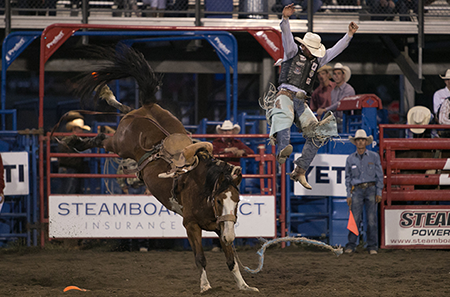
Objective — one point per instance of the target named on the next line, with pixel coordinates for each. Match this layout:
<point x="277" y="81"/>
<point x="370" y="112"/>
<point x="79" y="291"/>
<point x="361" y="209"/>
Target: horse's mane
<point x="215" y="170"/>
<point x="122" y="62"/>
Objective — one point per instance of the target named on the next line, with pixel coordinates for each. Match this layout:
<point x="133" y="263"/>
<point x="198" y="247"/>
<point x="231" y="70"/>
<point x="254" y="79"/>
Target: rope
<point x="110" y="162"/>
<point x="337" y="250"/>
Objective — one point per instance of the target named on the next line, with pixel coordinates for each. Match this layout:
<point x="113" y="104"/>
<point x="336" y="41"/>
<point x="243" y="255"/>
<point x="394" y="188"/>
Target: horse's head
<point x="226" y="198"/>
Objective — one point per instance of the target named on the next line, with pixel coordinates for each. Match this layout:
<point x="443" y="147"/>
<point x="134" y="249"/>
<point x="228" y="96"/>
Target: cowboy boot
<point x="298" y="174"/>
<point x="284" y="149"/>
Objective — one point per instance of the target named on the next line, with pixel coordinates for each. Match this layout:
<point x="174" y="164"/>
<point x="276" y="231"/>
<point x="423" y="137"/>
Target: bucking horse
<point x="180" y="173"/>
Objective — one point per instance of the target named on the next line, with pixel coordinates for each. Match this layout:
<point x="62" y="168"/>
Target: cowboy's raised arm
<point x="289" y="46"/>
<point x="340" y="46"/>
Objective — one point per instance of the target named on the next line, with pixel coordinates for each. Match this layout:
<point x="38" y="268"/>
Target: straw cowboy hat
<point x="313" y="43"/>
<point x="326" y="68"/>
<point x="77" y="123"/>
<point x="72" y="115"/>
<point x="361" y="134"/>
<point x="447" y="75"/>
<point x="345" y="69"/>
<point x="227" y="126"/>
<point x="418" y="115"/>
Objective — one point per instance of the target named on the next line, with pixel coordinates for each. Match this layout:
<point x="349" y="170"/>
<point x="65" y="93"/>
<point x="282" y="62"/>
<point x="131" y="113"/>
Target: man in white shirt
<point x="440" y="95"/>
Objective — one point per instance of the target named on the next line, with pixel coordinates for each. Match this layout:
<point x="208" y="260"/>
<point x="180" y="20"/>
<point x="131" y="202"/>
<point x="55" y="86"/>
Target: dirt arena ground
<point x="293" y="271"/>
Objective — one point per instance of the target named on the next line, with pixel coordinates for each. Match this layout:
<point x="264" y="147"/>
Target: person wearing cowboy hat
<point x="341" y="75"/>
<point x="298" y="72"/>
<point x="364" y="183"/>
<point x="71" y="185"/>
<point x="418" y="115"/>
<point x="321" y="97"/>
<point x="441" y="94"/>
<point x="230" y="149"/>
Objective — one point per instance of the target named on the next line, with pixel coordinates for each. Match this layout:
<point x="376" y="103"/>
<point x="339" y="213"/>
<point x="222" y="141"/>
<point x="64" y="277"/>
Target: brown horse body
<point x="207" y="196"/>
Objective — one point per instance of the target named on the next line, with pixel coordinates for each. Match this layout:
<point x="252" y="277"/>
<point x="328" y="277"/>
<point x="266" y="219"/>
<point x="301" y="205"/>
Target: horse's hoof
<point x="247" y="288"/>
<point x="205" y="288"/>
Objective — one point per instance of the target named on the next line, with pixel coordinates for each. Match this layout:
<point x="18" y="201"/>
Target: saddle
<point x="179" y="151"/>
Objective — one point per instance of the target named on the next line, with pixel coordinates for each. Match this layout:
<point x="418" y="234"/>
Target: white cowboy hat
<point x="346" y="69"/>
<point x="77" y="123"/>
<point x="313" y="42"/>
<point x="361" y="134"/>
<point x="418" y="115"/>
<point x="447" y="75"/>
<point x="226" y="126"/>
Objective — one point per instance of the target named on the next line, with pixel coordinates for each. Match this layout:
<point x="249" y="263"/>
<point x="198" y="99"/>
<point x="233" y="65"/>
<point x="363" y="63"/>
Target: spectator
<point x="304" y="5"/>
<point x="364" y="183"/>
<point x="349" y="3"/>
<point x="154" y="5"/>
<point x="444" y="117"/>
<point x="134" y="185"/>
<point x="404" y="6"/>
<point x="441" y="94"/>
<point x="321" y="97"/>
<point x="72" y="165"/>
<point x="419" y="115"/>
<point x="298" y="72"/>
<point x="341" y="75"/>
<point x="385" y="7"/>
<point x="232" y="149"/>
<point x="126" y="5"/>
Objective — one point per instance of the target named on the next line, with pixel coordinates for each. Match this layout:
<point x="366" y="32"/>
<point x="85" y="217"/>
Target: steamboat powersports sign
<point x="139" y="216"/>
<point x="417" y="227"/>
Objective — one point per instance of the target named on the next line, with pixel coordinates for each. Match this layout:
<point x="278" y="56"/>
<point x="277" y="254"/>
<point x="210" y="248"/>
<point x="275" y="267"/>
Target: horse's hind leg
<point x="107" y="95"/>
<point x="234" y="268"/>
<point x="195" y="239"/>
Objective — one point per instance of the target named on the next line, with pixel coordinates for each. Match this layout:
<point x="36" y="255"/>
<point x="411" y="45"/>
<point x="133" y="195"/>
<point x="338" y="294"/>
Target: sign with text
<point x="326" y="175"/>
<point x="138" y="216"/>
<point x="15" y="166"/>
<point x="418" y="227"/>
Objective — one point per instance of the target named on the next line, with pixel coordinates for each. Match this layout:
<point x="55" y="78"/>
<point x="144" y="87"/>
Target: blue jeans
<point x="364" y="198"/>
<point x="283" y="137"/>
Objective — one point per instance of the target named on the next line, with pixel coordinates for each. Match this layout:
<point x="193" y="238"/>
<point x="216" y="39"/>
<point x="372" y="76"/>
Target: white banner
<point x="16" y="173"/>
<point x="326" y="175"/>
<point x="138" y="216"/>
<point x="417" y="227"/>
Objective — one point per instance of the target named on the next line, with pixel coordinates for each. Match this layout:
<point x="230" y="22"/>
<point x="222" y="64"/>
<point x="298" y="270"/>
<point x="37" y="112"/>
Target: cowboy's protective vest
<point x="300" y="72"/>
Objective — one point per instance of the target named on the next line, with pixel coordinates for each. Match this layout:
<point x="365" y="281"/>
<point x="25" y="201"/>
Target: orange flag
<point x="352" y="224"/>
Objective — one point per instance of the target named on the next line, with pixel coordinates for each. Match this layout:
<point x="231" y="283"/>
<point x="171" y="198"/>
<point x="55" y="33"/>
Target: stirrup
<point x="284" y="154"/>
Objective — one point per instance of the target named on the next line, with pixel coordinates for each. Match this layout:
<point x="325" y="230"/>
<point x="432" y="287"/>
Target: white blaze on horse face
<point x="228" y="226"/>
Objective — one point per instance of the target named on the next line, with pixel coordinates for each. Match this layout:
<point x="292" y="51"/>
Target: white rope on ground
<point x="337" y="250"/>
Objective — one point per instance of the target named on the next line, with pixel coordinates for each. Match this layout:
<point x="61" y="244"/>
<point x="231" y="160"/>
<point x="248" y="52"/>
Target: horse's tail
<point x="126" y="62"/>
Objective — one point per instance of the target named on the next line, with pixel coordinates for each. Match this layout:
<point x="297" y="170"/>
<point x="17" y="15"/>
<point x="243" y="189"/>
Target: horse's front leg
<point x="234" y="268"/>
<point x="195" y="239"/>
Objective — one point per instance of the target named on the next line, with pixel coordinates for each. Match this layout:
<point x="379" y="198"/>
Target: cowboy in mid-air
<point x="299" y="68"/>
